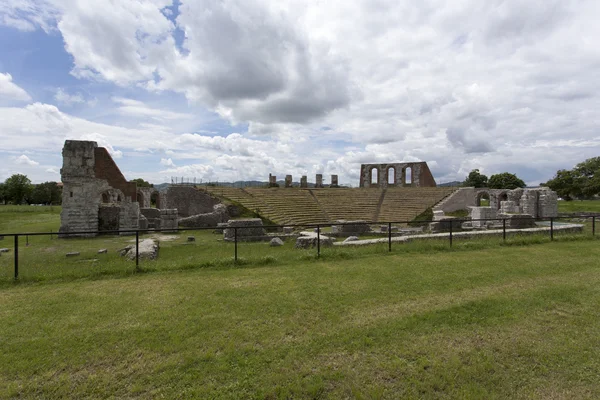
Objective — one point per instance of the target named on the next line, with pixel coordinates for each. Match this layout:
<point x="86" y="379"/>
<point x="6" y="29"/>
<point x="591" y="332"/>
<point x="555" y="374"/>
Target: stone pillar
<point x="547" y="203"/>
<point x="288" y="181"/>
<point x="303" y="182"/>
<point x="529" y="201"/>
<point x="334" y="181"/>
<point x="319" y="181"/>
<point x="272" y="181"/>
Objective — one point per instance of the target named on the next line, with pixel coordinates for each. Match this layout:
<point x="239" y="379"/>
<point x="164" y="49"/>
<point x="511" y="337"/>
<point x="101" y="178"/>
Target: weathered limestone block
<point x="168" y="220"/>
<point x="518" y="221"/>
<point x="249" y="229"/>
<point x="482" y="213"/>
<point x="509" y="207"/>
<point x="143" y="223"/>
<point x="218" y="216"/>
<point x="547" y="203"/>
<point x="129" y="216"/>
<point x="310" y="239"/>
<point x="148" y="249"/>
<point x="445" y="224"/>
<point x="288" y="230"/>
<point x="276" y="242"/>
<point x="529" y="202"/>
<point x="350" y="239"/>
<point x="351" y="228"/>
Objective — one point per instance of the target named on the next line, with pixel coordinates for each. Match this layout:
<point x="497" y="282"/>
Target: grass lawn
<point x="579" y="206"/>
<point x="510" y="322"/>
<point x="479" y="320"/>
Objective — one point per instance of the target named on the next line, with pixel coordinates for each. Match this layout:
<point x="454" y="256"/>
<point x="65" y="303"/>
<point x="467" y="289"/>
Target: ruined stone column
<point x="303" y="182"/>
<point x="319" y="181"/>
<point x="334" y="181"/>
<point x="288" y="181"/>
<point x="272" y="181"/>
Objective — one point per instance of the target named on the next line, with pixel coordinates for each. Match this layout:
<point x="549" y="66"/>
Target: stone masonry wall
<point x="420" y="175"/>
<point x="188" y="201"/>
<point x="106" y="168"/>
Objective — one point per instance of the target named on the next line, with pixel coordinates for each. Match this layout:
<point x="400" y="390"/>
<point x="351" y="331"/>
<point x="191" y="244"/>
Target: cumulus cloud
<point x="11" y="91"/>
<point x="167" y="162"/>
<point x="65" y="98"/>
<point x="24" y="160"/>
<point x="461" y="84"/>
<point x="136" y="108"/>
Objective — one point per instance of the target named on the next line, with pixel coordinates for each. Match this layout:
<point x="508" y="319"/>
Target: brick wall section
<point x="106" y="168"/>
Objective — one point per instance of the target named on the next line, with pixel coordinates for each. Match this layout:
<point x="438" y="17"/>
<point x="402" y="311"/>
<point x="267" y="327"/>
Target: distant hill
<point x="450" y="184"/>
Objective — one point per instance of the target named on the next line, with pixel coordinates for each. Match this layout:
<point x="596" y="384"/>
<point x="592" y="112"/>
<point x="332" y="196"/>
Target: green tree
<point x="18" y="188"/>
<point x="142" y="183"/>
<point x="3" y="198"/>
<point x="580" y="182"/>
<point x="505" y="180"/>
<point x="476" y="179"/>
<point x="46" y="193"/>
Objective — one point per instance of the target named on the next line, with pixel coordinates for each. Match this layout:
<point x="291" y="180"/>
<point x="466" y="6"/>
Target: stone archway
<point x="483" y="199"/>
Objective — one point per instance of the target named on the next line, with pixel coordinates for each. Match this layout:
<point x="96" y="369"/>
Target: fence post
<point x="318" y="241"/>
<point x="26" y="240"/>
<point x="504" y="229"/>
<point x="551" y="228"/>
<point x="16" y="257"/>
<point x="593" y="225"/>
<point x="450" y="232"/>
<point x="137" y="249"/>
<point x="389" y="236"/>
<point x="235" y="240"/>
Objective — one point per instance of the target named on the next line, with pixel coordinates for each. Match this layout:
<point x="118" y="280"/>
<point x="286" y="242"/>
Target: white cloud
<point x="9" y="90"/>
<point x="24" y="160"/>
<point x="167" y="162"/>
<point x="68" y="99"/>
<point x="136" y="108"/>
<point x="496" y="85"/>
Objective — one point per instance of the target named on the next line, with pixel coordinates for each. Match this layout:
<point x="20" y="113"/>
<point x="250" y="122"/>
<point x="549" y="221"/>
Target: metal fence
<point x="386" y="235"/>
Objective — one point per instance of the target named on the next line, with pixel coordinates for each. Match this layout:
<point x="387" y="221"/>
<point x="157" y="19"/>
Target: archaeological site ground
<point x="395" y="289"/>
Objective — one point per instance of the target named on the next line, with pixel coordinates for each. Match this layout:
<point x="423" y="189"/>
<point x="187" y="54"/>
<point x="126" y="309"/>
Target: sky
<point x="228" y="90"/>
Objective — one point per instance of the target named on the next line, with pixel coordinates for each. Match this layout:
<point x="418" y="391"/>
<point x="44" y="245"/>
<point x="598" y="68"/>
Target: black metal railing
<point x="451" y="233"/>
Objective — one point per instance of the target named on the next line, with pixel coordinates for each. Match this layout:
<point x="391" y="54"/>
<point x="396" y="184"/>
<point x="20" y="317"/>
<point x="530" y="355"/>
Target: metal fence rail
<point x="317" y="228"/>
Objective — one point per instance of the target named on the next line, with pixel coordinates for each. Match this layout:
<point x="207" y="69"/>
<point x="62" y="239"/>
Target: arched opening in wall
<point x="105" y="197"/>
<point x="391" y="176"/>
<point x="374" y="176"/>
<point x="139" y="197"/>
<point x="483" y="199"/>
<point x="502" y="197"/>
<point x="119" y="198"/>
<point x="408" y="180"/>
<point x="155" y="200"/>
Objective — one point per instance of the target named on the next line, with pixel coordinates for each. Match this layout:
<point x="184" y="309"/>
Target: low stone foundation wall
<point x="208" y="220"/>
<point x="350" y="228"/>
<point x="251" y="229"/>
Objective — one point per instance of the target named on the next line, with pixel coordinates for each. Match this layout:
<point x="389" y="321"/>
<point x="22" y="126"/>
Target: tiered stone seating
<point x="314" y="206"/>
<point x="349" y="204"/>
<point x="404" y="204"/>
<point x="289" y="205"/>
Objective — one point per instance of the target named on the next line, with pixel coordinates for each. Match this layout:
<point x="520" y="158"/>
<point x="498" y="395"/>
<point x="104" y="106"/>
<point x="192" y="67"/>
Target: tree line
<point x="581" y="182"/>
<point x="18" y="189"/>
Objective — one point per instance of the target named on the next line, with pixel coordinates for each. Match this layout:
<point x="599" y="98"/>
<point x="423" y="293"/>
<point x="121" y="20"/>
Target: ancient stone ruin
<point x="97" y="197"/>
<point x="414" y="174"/>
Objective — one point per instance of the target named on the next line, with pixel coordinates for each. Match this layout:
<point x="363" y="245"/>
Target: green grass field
<point x="480" y="320"/>
<point x="579" y="206"/>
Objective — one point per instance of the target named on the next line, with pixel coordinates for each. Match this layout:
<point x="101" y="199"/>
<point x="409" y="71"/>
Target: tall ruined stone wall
<point x="106" y="168"/>
<point x="82" y="191"/>
<point x="188" y="200"/>
<point x="420" y="175"/>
